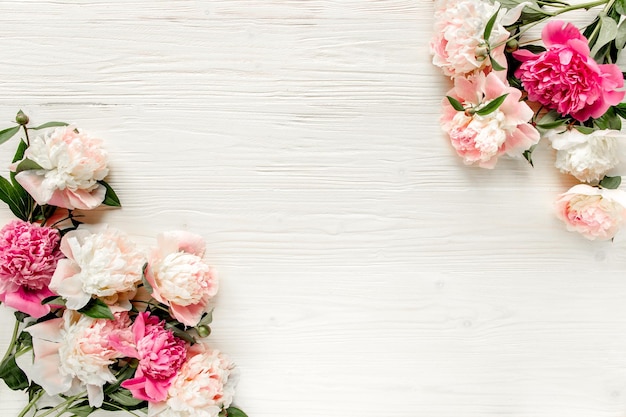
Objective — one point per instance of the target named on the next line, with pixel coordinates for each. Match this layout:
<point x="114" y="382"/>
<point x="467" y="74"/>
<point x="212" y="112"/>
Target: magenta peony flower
<point x="160" y="354"/>
<point x="566" y="78"/>
<point x="28" y="257"/>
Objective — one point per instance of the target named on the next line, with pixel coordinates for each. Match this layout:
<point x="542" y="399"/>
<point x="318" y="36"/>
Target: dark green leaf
<point x="537" y="49"/>
<point x="27" y="165"/>
<point x="12" y="375"/>
<point x="235" y="412"/>
<point x="456" y="104"/>
<point x="11" y="196"/>
<point x="609" y="120"/>
<point x="7" y="134"/>
<point x="620" y="109"/>
<point x="528" y="155"/>
<point x="110" y="198"/>
<point x="97" y="309"/>
<point x="552" y="125"/>
<point x="53" y="299"/>
<point x="620" y="7"/>
<point x="19" y="153"/>
<point x="49" y="124"/>
<point x="492" y="106"/>
<point x="19" y="316"/>
<point x="489" y="27"/>
<point x="125" y="398"/>
<point x="611" y="183"/>
<point x="496" y="66"/>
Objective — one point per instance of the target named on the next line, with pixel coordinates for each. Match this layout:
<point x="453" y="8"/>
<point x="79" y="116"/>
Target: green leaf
<point x="620" y="109"/>
<point x="49" y="124"/>
<point x="19" y="316"/>
<point x="180" y="333"/>
<point x="97" y="309"/>
<point x="12" y="375"/>
<point x="110" y="198"/>
<point x="495" y="65"/>
<point x="456" y="104"/>
<point x="145" y="282"/>
<point x="19" y="153"/>
<point x="585" y="130"/>
<point x="207" y="318"/>
<point x="81" y="410"/>
<point x="608" y="32"/>
<point x="492" y="106"/>
<point x="609" y="120"/>
<point x="53" y="299"/>
<point x="528" y="155"/>
<point x="620" y="7"/>
<point x="489" y="27"/>
<point x="536" y="49"/>
<point x="125" y="398"/>
<point x="235" y="412"/>
<point x="7" y="134"/>
<point x="27" y="165"/>
<point x="611" y="183"/>
<point x="620" y="39"/>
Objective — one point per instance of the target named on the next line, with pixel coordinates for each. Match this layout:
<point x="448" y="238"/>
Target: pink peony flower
<point x="160" y="355"/>
<point x="482" y="139"/>
<point x="566" y="78"/>
<point x="596" y="213"/>
<point x="180" y="278"/>
<point x="203" y="387"/>
<point x="106" y="265"/>
<point x="28" y="257"/>
<point x="73" y="353"/>
<point x="72" y="164"/>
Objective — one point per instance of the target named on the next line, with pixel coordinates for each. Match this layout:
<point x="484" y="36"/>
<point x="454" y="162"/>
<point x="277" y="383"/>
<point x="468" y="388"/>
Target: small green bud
<point x="512" y="45"/>
<point x="203" y="331"/>
<point x="21" y="118"/>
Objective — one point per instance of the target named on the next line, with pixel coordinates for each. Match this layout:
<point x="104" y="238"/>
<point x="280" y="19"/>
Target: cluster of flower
<point x="509" y="93"/>
<point x="101" y="324"/>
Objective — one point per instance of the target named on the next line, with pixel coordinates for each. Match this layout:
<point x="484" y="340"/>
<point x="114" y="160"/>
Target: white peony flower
<point x="71" y="164"/>
<point x="587" y="157"/>
<point x="106" y="265"/>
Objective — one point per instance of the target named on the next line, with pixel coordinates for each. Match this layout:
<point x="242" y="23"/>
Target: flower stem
<point x="582" y="6"/>
<point x="63" y="405"/>
<point x="16" y="329"/>
<point x="31" y="404"/>
<point x="121" y="408"/>
<point x="26" y="133"/>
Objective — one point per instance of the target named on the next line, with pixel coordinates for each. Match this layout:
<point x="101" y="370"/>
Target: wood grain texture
<point x="365" y="270"/>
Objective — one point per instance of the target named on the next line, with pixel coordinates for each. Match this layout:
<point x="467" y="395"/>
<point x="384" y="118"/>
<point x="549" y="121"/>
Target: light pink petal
<point x="466" y="90"/>
<point x="182" y="241"/>
<point x="188" y="315"/>
<point x="32" y="183"/>
<point x="69" y="287"/>
<point x="49" y="330"/>
<point x="155" y="289"/>
<point x="494" y="87"/>
<point x="557" y="32"/>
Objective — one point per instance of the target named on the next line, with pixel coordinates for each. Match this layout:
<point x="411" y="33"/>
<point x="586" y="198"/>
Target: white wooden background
<point x="365" y="271"/>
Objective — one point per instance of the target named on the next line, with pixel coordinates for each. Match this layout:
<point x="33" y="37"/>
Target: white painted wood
<point x="365" y="270"/>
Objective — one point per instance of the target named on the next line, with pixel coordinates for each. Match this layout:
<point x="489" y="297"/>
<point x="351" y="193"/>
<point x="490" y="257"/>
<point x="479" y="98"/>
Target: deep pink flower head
<point x="28" y="257"/>
<point x="566" y="78"/>
<point x="160" y="354"/>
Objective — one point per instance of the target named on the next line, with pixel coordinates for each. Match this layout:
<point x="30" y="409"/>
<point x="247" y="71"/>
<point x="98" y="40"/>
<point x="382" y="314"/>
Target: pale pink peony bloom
<point x="28" y="257"/>
<point x="179" y="276"/>
<point x="566" y="78"/>
<point x="203" y="387"/>
<point x="160" y="354"/>
<point x="588" y="157"/>
<point x="595" y="213"/>
<point x="482" y="139"/>
<point x="72" y="164"/>
<point x="458" y="46"/>
<point x="106" y="265"/>
<point x="73" y="353"/>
